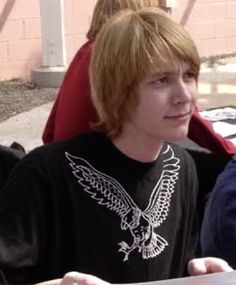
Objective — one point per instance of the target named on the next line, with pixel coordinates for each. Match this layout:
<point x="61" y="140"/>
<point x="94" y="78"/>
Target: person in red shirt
<point x="73" y="111"/>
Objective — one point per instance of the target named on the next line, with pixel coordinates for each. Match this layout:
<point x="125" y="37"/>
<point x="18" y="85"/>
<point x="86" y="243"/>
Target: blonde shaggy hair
<point x="130" y="46"/>
<point x="105" y="9"/>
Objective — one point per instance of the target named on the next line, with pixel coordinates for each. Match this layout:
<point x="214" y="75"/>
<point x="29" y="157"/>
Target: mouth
<point x="184" y="115"/>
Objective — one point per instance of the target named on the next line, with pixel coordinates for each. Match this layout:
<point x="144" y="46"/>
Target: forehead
<point x="169" y="68"/>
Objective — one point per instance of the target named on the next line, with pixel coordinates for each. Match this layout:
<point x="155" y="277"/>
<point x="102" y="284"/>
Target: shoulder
<point x="222" y="203"/>
<point x="87" y="47"/>
<point x="187" y="183"/>
<point x="51" y="153"/>
<point x="8" y="159"/>
<point x="187" y="168"/>
<point x="218" y="229"/>
<point x="43" y="163"/>
<point x="84" y="52"/>
<point x="182" y="154"/>
<point x="7" y="154"/>
<point x="230" y="170"/>
<point x="226" y="182"/>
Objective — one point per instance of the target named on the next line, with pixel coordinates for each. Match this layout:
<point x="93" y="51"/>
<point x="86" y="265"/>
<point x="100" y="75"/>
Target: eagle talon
<point x="124" y="246"/>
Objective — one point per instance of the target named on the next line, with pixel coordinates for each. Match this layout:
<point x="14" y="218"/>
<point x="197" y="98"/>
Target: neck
<point x="140" y="147"/>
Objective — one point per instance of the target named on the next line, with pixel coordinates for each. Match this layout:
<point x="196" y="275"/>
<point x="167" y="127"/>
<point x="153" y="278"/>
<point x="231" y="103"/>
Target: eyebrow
<point x="164" y="73"/>
<point x="169" y="73"/>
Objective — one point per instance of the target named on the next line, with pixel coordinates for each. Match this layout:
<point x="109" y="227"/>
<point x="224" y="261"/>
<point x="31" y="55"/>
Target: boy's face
<point x="166" y="102"/>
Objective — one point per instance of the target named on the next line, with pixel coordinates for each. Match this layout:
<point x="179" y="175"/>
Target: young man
<point x="73" y="111"/>
<point x="119" y="203"/>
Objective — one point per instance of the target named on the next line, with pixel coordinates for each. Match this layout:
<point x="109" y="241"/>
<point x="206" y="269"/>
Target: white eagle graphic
<point x="109" y="192"/>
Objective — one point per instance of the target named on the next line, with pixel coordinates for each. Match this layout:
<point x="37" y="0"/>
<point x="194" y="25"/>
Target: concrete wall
<point x="212" y="23"/>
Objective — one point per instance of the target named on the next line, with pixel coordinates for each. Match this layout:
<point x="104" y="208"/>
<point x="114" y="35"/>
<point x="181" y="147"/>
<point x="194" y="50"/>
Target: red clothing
<point x="73" y="110"/>
<point x="201" y="131"/>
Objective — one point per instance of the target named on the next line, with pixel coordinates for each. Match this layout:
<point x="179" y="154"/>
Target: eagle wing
<point x="159" y="203"/>
<point x="101" y="187"/>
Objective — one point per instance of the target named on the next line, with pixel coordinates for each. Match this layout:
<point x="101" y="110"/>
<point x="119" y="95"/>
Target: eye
<point x="161" y="81"/>
<point x="189" y="76"/>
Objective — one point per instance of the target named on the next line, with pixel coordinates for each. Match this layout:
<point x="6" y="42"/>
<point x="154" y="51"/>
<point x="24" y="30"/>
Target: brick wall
<point x="212" y="23"/>
<point x="20" y="42"/>
<point x="77" y="20"/>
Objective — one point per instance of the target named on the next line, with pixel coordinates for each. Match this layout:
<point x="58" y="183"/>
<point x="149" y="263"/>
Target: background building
<point x="212" y="24"/>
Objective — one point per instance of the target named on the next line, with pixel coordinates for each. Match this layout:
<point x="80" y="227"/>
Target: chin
<point x="178" y="135"/>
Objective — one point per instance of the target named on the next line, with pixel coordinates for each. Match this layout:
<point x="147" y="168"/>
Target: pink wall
<point x="212" y="23"/>
<point x="20" y="43"/>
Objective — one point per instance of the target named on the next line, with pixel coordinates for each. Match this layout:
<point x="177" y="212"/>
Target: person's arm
<point x="218" y="234"/>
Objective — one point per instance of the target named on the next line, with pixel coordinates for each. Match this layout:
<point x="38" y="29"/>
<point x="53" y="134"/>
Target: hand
<point x="206" y="265"/>
<point x="76" y="278"/>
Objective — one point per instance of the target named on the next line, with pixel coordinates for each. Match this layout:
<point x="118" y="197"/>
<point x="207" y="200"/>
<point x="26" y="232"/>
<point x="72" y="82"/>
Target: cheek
<point x="194" y="92"/>
<point x="155" y="100"/>
<point x="153" y="107"/>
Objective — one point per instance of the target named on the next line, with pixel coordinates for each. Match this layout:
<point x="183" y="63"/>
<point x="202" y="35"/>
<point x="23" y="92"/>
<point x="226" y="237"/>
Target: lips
<point x="179" y="115"/>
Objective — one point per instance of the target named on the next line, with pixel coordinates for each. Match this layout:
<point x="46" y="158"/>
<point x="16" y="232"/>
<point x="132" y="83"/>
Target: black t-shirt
<point x="82" y="205"/>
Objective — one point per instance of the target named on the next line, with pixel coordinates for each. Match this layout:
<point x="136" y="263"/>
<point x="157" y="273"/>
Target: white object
<point x="224" y="129"/>
<point x="53" y="36"/>
<point x="219" y="114"/>
<point x="168" y="3"/>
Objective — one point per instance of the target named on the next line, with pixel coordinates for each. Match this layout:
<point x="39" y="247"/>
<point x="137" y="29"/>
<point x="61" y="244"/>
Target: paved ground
<point x="217" y="87"/>
<point x="25" y="128"/>
<point x="18" y="96"/>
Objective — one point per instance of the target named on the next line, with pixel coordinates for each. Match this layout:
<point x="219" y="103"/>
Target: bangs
<point x="164" y="43"/>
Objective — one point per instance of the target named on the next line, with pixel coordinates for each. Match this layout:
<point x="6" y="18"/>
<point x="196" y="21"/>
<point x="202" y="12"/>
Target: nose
<point x="182" y="92"/>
